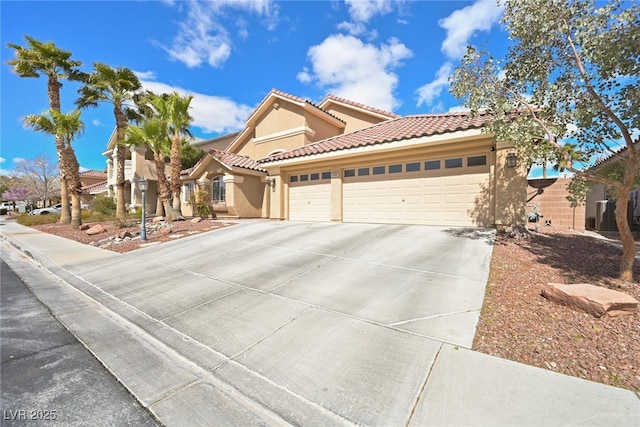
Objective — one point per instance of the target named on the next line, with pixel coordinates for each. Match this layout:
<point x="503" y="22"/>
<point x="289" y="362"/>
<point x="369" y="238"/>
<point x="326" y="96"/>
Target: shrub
<point x="201" y="207"/>
<point x="103" y="205"/>
<point x="29" y="220"/>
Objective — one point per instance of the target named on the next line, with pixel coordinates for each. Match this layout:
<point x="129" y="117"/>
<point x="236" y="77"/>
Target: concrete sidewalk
<point x="243" y="344"/>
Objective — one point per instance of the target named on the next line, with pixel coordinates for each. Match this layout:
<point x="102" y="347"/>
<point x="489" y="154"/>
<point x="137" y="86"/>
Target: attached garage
<point x="424" y="192"/>
<point x="430" y="170"/>
<point x="310" y="196"/>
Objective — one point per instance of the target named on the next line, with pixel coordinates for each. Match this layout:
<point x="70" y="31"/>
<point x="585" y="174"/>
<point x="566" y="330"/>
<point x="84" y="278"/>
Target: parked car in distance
<point x="46" y="211"/>
<point x="7" y="205"/>
<point x="54" y="209"/>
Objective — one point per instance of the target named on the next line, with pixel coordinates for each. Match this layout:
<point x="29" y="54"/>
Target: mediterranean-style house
<point x="344" y="161"/>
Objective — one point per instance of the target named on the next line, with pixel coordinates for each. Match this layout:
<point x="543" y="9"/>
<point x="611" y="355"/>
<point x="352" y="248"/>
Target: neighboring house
<point x="93" y="183"/>
<point x="599" y="213"/>
<point x="343" y="161"/>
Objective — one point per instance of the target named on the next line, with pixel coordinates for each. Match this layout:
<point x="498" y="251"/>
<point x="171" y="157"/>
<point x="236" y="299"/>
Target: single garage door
<point x="310" y="196"/>
<point x="432" y="192"/>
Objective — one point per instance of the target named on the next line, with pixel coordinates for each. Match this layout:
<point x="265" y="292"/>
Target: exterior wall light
<point x="511" y="160"/>
<point x="143" y="185"/>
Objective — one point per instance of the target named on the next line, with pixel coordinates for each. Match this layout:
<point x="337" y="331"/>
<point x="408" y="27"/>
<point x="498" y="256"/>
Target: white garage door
<point x="310" y="197"/>
<point x="447" y="192"/>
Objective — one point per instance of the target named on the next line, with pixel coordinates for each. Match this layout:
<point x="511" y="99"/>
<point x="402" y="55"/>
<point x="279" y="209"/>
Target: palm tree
<point x="174" y="109"/>
<point x="67" y="127"/>
<point x="46" y="59"/>
<point x="153" y="133"/>
<point x="116" y="86"/>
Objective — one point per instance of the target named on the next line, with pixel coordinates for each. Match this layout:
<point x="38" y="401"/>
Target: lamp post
<point x="143" y="185"/>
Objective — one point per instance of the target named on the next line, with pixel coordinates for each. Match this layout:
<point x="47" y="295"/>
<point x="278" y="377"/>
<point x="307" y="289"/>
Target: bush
<point x="29" y="220"/>
<point x="103" y="205"/>
<point x="200" y="206"/>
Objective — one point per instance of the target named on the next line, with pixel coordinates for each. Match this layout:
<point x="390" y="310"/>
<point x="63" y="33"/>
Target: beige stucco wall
<point x="322" y="129"/>
<point x="355" y="119"/>
<point x="275" y="120"/>
<point x="510" y="189"/>
<point x="247" y="195"/>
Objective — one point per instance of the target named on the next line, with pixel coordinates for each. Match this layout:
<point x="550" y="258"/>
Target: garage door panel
<point x="310" y="202"/>
<point x="434" y="200"/>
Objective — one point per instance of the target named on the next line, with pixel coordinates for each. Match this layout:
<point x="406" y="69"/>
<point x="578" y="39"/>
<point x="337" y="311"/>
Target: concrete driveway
<point x="281" y="323"/>
<point x="347" y="318"/>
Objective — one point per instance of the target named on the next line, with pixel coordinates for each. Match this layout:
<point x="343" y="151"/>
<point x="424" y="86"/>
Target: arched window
<point x="218" y="190"/>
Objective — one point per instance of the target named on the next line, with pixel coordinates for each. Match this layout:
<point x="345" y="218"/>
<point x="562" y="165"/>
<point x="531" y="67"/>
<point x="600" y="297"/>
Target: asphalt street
<point x="48" y="378"/>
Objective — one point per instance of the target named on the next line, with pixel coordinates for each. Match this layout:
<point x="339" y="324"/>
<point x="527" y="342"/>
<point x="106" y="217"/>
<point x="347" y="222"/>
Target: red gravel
<point x="517" y="323"/>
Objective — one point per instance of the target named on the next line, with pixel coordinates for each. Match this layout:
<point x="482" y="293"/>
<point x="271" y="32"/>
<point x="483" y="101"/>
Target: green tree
<point x="115" y="86"/>
<point x="46" y="59"/>
<point x="571" y="74"/>
<point x="173" y="109"/>
<point x="189" y="155"/>
<point x="67" y="127"/>
<point x="153" y="133"/>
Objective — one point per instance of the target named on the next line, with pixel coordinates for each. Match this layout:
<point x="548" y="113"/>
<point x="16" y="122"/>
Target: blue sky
<point x="393" y="55"/>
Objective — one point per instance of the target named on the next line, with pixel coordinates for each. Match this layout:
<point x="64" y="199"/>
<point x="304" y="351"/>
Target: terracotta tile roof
<point x="95" y="188"/>
<point x="359" y="105"/>
<point x="185" y="172"/>
<point x="93" y="174"/>
<point x="235" y="160"/>
<point x="393" y="130"/>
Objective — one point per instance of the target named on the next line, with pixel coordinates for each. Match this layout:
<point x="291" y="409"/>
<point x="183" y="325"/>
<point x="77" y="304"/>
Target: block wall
<point x="550" y="196"/>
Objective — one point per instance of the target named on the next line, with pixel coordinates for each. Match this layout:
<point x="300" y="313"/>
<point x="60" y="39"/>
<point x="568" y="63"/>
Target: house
<point x="599" y="201"/>
<point x="93" y="183"/>
<point x="344" y="161"/>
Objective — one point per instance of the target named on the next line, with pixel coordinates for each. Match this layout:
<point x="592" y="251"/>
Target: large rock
<point x="594" y="300"/>
<point x="196" y="220"/>
<point x="96" y="229"/>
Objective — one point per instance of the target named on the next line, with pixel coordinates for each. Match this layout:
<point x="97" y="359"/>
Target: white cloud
<point x="17" y="160"/>
<point x="212" y="114"/>
<point x="363" y="10"/>
<point x="2" y="160"/>
<point x="96" y="123"/>
<point x="431" y="91"/>
<point x="145" y="75"/>
<point x="362" y="72"/>
<point x="462" y="24"/>
<point x="201" y="36"/>
<point x="459" y="109"/>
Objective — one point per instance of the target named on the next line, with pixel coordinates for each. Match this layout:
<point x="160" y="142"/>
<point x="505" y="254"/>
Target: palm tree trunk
<point x="176" y="165"/>
<point x="163" y="187"/>
<point x="72" y="171"/>
<point x="121" y="125"/>
<point x="53" y="93"/>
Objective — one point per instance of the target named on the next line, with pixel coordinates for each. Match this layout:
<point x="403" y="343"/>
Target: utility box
<point x="606" y="217"/>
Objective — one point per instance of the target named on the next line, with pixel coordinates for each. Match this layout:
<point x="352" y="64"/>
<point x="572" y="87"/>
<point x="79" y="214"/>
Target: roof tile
<point x="235" y="160"/>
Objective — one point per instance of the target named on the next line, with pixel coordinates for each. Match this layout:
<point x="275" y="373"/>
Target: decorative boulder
<point x="594" y="300"/>
<point x="157" y="219"/>
<point x="196" y="220"/>
<point x="96" y="229"/>
<point x="83" y="227"/>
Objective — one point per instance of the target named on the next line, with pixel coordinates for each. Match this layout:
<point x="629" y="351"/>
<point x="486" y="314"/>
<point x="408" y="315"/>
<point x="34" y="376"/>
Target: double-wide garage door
<point x="445" y="200"/>
<point x="399" y="194"/>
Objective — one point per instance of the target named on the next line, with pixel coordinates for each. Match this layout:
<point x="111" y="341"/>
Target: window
<point x="304" y="177"/>
<point x="218" y="190"/>
<point x="378" y="170"/>
<point x="363" y="171"/>
<point x="349" y="173"/>
<point x="476" y="161"/>
<point x="326" y="175"/>
<point x="293" y="178"/>
<point x="413" y="167"/>
<point x="315" y="176"/>
<point x="188" y="189"/>
<point x="431" y="165"/>
<point x="453" y="163"/>
<point x="395" y="168"/>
